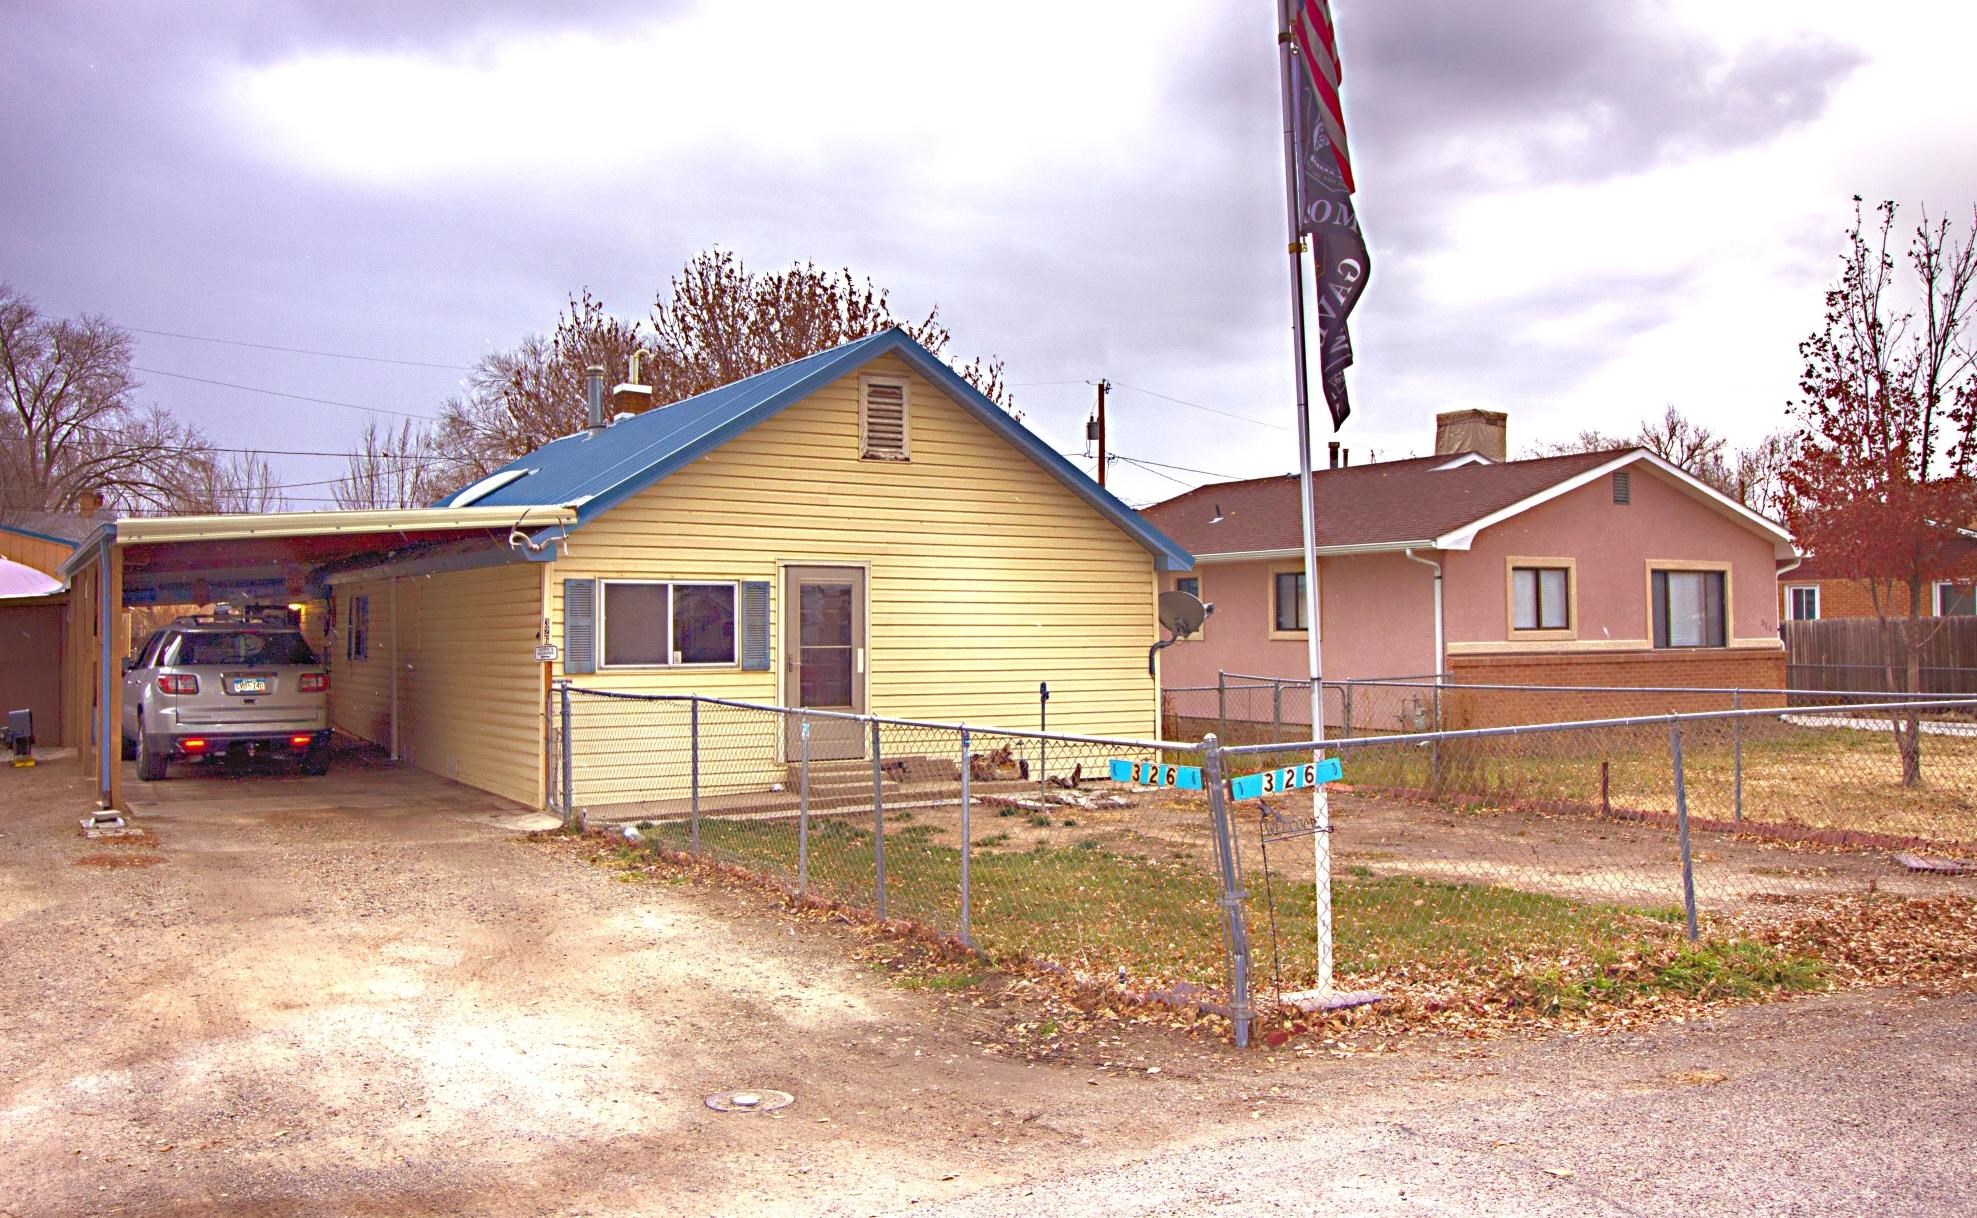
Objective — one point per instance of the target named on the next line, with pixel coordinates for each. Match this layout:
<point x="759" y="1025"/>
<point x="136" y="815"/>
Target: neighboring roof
<point x="1961" y="548"/>
<point x="63" y="528"/>
<point x="1424" y="502"/>
<point x="594" y="471"/>
<point x="19" y="579"/>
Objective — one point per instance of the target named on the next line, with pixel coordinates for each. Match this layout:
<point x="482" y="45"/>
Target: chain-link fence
<point x="1554" y="859"/>
<point x="1554" y="854"/>
<point x="1242" y="709"/>
<point x="1025" y="845"/>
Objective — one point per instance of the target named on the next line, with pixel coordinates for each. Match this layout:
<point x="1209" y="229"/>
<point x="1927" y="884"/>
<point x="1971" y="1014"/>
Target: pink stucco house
<point x="1608" y="568"/>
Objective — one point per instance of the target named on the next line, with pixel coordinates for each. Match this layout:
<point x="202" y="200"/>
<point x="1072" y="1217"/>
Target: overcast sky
<point x="1578" y="211"/>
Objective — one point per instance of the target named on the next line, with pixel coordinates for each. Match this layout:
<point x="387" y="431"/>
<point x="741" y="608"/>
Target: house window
<point x="1540" y="598"/>
<point x="882" y="420"/>
<point x="1289" y="602"/>
<point x="1802" y="603"/>
<point x="1955" y="600"/>
<point x="1688" y="608"/>
<point x="1190" y="584"/>
<point x="357" y="639"/>
<point x="650" y="625"/>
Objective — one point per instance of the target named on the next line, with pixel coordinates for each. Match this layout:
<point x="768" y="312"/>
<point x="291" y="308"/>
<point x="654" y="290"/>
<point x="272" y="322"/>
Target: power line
<point x="403" y="414"/>
<point x="1156" y="473"/>
<point x="1198" y="406"/>
<point x="1206" y="473"/>
<point x="234" y="342"/>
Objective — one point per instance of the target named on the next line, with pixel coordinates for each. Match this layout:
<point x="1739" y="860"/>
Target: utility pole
<point x="1103" y="385"/>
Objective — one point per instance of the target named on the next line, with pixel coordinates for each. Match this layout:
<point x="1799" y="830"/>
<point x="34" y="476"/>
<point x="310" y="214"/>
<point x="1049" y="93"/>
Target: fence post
<point x="1221" y="704"/>
<point x="1737" y="767"/>
<point x="1435" y="748"/>
<point x="878" y="821"/>
<point x="1345" y="727"/>
<point x="693" y="734"/>
<point x="1682" y="830"/>
<point x="967" y="841"/>
<point x="803" y="808"/>
<point x="569" y="797"/>
<point x="1232" y="894"/>
<point x="1277" y="710"/>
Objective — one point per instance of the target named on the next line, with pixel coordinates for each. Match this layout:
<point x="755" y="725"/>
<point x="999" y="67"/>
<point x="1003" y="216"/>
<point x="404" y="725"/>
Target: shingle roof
<point x="1387" y="503"/>
<point x="70" y="527"/>
<point x="593" y="472"/>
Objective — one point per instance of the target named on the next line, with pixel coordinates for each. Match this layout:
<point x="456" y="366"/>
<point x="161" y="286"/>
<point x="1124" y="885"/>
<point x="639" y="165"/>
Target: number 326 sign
<point x="1290" y="778"/>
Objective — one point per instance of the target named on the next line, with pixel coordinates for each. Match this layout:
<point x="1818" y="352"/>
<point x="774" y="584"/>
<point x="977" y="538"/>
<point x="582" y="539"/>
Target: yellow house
<point x="859" y="531"/>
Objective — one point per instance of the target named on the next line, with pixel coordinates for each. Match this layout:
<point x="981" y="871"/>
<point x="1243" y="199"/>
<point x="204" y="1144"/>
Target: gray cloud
<point x="1166" y="269"/>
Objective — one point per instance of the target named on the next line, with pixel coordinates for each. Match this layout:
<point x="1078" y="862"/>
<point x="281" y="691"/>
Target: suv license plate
<point x="247" y="685"/>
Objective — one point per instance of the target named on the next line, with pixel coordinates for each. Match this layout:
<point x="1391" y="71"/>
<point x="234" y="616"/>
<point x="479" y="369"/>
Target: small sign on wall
<point x="546" y="653"/>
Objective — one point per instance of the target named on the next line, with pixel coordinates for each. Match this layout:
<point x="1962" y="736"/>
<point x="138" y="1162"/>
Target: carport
<point x="276" y="556"/>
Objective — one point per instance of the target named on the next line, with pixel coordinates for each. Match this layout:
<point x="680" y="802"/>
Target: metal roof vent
<point x="593" y="397"/>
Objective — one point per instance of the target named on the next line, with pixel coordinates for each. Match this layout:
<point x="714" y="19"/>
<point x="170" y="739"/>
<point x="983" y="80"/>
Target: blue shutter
<point x="755" y="626"/>
<point x="579" y="626"/>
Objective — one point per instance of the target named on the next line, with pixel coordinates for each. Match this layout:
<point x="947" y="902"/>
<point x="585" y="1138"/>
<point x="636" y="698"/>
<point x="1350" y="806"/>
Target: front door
<point x="824" y="657"/>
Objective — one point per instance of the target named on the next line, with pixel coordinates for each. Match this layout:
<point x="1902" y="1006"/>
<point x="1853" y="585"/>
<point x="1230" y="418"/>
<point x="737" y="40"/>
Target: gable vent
<point x="882" y="420"/>
<point x="1623" y="486"/>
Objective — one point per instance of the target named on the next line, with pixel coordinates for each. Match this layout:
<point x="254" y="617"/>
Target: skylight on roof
<point x="487" y="486"/>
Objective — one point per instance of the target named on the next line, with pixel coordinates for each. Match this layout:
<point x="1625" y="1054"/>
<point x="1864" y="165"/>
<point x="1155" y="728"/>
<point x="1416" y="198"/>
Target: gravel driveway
<point x="369" y="996"/>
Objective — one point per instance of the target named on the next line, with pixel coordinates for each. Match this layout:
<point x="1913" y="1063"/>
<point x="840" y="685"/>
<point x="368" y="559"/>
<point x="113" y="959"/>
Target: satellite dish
<point x="1181" y="613"/>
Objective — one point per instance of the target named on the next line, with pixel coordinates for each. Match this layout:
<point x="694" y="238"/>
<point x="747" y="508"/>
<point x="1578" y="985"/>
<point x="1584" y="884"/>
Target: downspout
<point x="1441" y="648"/>
<point x="394" y="668"/>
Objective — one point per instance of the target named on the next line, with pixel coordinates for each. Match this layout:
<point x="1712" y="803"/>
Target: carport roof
<point x="161" y="553"/>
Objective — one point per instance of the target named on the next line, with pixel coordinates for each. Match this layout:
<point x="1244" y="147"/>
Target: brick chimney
<point x="1473" y="431"/>
<point x="89" y="503"/>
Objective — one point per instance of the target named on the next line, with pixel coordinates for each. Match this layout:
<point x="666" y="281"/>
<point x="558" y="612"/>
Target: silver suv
<point x="226" y="685"/>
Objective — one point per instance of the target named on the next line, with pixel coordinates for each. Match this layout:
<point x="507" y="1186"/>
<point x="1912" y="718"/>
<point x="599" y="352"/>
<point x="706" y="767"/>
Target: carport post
<point x="693" y="732"/>
<point x="109" y="731"/>
<point x="878" y="821"/>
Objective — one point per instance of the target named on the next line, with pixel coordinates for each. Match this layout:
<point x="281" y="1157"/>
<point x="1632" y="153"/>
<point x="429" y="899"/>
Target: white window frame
<point x="1791" y="591"/>
<point x="905" y="417"/>
<point x="1936" y="591"/>
<point x="604" y="624"/>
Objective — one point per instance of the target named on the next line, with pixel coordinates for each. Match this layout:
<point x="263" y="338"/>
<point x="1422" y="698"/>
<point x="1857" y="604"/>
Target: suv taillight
<point x="178" y="683"/>
<point x="315" y="682"/>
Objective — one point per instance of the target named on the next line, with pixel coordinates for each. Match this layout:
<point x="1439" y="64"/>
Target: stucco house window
<point x="1288" y="607"/>
<point x="1802" y="602"/>
<point x="650" y="625"/>
<point x="1688" y="608"/>
<point x="1540" y="598"/>
<point x="1190" y="584"/>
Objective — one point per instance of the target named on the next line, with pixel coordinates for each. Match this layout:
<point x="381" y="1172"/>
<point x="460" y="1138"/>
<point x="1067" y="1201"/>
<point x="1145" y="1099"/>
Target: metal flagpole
<point x="1307" y="503"/>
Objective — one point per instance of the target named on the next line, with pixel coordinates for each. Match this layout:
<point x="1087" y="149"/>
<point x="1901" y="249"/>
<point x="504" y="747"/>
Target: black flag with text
<point x="1324" y="194"/>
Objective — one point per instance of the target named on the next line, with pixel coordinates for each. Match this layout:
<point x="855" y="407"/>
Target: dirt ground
<point x="370" y="995"/>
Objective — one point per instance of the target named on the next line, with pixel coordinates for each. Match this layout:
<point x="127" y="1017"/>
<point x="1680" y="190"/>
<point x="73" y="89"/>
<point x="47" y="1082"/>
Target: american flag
<point x="1325" y="187"/>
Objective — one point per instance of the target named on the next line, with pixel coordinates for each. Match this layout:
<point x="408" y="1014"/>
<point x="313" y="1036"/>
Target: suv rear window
<point x="236" y="647"/>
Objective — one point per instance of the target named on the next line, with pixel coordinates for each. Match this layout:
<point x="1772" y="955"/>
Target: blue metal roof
<point x="595" y="471"/>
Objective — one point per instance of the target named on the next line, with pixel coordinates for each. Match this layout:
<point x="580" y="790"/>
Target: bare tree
<point x="717" y="323"/>
<point x="1748" y="475"/>
<point x="67" y="420"/>
<point x="211" y="483"/>
<point x="388" y="469"/>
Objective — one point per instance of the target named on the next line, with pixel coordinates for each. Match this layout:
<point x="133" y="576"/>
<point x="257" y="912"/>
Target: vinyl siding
<point x="43" y="556"/>
<point x="360" y="689"/>
<point x="986" y="575"/>
<point x="470" y="691"/>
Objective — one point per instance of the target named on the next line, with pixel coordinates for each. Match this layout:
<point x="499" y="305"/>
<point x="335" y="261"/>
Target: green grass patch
<point x="939" y="982"/>
<point x="1097" y="909"/>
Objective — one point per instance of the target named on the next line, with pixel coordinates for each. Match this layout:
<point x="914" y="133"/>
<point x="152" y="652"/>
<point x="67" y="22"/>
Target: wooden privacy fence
<point x="1850" y="654"/>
